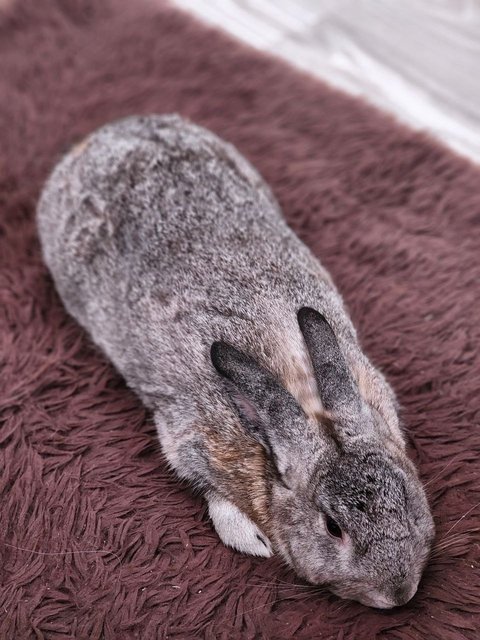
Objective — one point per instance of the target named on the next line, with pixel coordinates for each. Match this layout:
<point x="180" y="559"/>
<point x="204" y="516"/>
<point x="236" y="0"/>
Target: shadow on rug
<point x="97" y="539"/>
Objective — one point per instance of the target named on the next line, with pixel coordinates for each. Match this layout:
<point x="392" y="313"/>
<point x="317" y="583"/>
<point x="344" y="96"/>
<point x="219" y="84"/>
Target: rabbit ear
<point x="334" y="381"/>
<point x="268" y="410"/>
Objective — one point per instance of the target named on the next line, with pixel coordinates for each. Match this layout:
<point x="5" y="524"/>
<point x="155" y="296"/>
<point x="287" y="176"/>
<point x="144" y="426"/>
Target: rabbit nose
<point x="395" y="598"/>
<point x="404" y="593"/>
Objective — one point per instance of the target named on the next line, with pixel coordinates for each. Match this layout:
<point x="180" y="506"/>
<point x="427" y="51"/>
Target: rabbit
<point x="168" y="247"/>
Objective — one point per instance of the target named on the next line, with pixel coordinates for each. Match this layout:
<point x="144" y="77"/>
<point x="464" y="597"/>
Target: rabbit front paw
<point x="236" y="529"/>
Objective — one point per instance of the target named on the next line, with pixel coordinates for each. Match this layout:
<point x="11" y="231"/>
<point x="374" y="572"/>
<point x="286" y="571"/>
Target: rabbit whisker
<point x="461" y="518"/>
<point x="449" y="463"/>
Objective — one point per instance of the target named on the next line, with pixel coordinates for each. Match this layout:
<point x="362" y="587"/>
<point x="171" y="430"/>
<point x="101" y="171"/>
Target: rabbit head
<point x="346" y="508"/>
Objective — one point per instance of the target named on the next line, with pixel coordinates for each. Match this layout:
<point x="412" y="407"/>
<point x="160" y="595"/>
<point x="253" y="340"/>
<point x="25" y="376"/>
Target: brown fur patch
<point x="242" y="464"/>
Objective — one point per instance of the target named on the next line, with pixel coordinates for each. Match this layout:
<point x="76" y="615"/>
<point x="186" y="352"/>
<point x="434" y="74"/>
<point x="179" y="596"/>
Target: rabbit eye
<point x="333" y="528"/>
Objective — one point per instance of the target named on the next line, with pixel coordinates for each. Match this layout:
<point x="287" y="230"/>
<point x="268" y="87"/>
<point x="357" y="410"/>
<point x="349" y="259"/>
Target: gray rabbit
<point x="170" y="250"/>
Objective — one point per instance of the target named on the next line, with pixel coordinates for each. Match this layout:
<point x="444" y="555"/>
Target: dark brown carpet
<point x="97" y="539"/>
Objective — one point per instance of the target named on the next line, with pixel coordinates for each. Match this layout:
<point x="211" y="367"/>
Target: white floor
<point x="418" y="59"/>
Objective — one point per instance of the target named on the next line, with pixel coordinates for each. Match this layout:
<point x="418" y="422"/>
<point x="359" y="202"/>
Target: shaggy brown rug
<point x="97" y="539"/>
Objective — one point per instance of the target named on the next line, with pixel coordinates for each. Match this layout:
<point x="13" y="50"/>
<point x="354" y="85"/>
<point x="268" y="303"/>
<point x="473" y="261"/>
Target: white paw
<point x="236" y="529"/>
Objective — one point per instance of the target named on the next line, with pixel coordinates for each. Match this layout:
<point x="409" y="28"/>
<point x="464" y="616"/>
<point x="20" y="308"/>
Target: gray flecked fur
<point x="162" y="240"/>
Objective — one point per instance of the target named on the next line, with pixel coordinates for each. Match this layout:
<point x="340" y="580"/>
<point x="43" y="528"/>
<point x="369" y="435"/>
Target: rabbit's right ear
<point x="267" y="410"/>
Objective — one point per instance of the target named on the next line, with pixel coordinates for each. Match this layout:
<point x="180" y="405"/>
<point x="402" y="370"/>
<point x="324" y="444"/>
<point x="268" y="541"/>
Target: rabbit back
<point x="161" y="238"/>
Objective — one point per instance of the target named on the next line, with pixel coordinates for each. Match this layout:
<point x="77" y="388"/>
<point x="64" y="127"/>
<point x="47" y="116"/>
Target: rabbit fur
<point x="168" y="247"/>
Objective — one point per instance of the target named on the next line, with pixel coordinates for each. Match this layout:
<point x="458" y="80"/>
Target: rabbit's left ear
<point x="268" y="411"/>
<point x="334" y="381"/>
<point x="339" y="393"/>
<point x="337" y="389"/>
